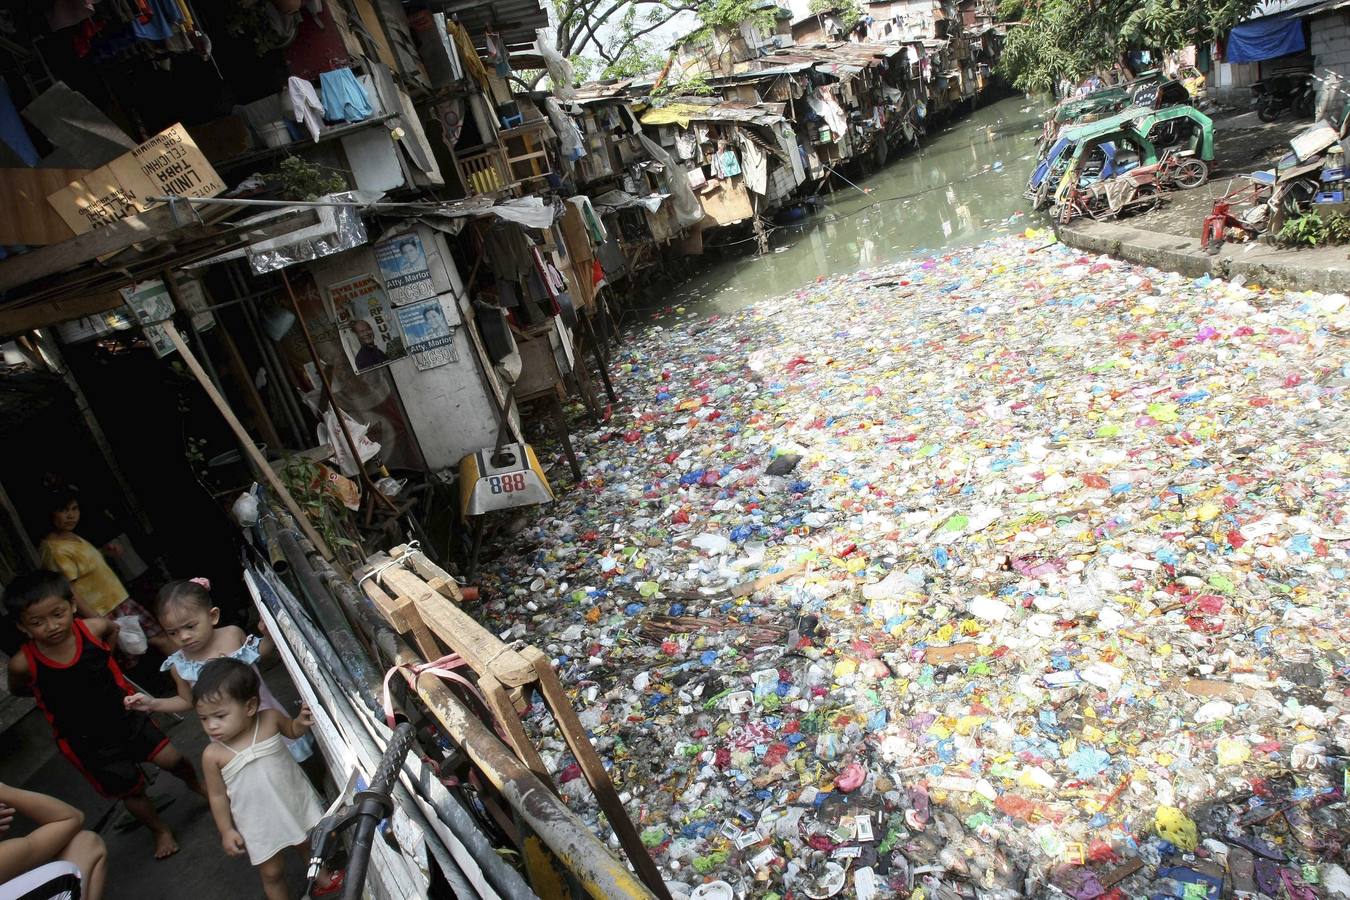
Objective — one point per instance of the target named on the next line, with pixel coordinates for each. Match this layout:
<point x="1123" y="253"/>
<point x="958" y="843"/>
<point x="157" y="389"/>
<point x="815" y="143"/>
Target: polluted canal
<point x="998" y="572"/>
<point x="965" y="183"/>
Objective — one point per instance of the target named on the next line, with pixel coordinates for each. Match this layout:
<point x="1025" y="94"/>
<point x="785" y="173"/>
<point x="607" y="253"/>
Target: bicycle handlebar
<point x="367" y="809"/>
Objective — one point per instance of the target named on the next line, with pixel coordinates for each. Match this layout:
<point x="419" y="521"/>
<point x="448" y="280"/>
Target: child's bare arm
<point x="104" y="629"/>
<point x="266" y="647"/>
<point x="20" y="678"/>
<point x="294" y="728"/>
<point x="180" y="702"/>
<point x="230" y="839"/>
<point x="57" y="822"/>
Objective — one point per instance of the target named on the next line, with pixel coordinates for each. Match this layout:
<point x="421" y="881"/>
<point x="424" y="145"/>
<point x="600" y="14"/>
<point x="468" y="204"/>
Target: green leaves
<point x="1311" y="230"/>
<point x="1055" y="39"/>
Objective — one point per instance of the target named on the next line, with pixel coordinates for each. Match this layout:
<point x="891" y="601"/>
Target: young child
<point x="68" y="667"/>
<point x="261" y="801"/>
<point x="96" y="588"/>
<point x="192" y="620"/>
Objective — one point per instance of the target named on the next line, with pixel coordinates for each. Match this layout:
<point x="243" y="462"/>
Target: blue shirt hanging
<point x="343" y="98"/>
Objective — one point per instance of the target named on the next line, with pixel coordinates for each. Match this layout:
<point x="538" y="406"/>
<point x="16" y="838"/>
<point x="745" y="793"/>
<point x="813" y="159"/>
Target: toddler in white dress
<point x="260" y="799"/>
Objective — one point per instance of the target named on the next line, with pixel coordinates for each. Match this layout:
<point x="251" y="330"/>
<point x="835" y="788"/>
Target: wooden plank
<point x="483" y="651"/>
<point x="41" y="315"/>
<point x="594" y="769"/>
<point x="246" y="440"/>
<point x="157" y="222"/>
<point x="499" y="704"/>
<point x="439" y="580"/>
<point x="29" y="218"/>
<point x="400" y="613"/>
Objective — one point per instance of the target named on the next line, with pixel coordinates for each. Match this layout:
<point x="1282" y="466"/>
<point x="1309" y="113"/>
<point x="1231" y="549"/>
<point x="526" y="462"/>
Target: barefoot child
<point x="190" y="617"/>
<point x="261" y="801"/>
<point x="68" y="667"/>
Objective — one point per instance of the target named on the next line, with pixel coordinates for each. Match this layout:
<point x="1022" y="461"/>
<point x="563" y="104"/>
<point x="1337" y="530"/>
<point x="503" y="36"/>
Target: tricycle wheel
<point x="1191" y="173"/>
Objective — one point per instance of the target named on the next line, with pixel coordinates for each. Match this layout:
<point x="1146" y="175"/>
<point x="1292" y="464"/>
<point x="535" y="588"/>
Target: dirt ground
<point x="1242" y="144"/>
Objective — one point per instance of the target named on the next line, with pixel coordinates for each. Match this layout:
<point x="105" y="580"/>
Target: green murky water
<point x="964" y="186"/>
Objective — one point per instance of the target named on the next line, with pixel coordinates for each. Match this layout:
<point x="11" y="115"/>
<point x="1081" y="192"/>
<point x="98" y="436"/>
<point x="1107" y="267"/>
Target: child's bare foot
<point x="165" y="845"/>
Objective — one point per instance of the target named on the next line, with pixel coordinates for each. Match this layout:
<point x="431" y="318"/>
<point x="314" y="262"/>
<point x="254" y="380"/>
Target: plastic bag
<point x="569" y="136"/>
<point x="131" y="637"/>
<point x="558" y="66"/>
<point x="330" y="432"/>
<point x="245" y="510"/>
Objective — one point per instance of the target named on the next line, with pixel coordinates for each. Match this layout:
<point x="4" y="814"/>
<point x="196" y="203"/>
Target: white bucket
<point x="275" y="134"/>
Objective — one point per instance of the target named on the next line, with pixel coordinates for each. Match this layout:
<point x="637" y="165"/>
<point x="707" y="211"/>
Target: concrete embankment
<point x="1325" y="269"/>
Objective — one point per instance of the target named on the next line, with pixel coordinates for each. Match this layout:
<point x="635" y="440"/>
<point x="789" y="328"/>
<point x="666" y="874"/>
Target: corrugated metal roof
<point x="515" y="20"/>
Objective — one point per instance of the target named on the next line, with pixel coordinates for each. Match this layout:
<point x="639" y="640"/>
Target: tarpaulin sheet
<point x="674" y="114"/>
<point x="1265" y="39"/>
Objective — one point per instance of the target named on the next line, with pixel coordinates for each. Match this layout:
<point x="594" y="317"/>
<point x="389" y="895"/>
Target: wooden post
<point x="246" y="441"/>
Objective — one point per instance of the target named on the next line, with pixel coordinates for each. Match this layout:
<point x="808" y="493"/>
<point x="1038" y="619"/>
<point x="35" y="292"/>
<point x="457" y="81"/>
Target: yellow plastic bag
<point x="1173" y="826"/>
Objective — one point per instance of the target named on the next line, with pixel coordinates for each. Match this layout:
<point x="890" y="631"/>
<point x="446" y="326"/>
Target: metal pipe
<point x="602" y="876"/>
<point x="275" y="555"/>
<point x="280" y="384"/>
<point x="289" y="623"/>
<point x="449" y="808"/>
<point x="285" y="390"/>
<point x="350" y="655"/>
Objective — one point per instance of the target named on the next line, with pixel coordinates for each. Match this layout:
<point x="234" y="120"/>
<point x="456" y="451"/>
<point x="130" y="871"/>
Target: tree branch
<point x="635" y="36"/>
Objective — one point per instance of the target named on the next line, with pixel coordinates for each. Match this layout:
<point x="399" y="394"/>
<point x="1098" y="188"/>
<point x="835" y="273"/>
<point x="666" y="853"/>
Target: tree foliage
<point x="616" y="38"/>
<point x="849" y="12"/>
<point x="612" y="38"/>
<point x="1053" y="39"/>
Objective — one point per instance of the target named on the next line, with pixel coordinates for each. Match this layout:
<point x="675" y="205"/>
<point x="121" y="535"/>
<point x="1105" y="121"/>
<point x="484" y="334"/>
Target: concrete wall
<point x="449" y="407"/>
<point x="1331" y="46"/>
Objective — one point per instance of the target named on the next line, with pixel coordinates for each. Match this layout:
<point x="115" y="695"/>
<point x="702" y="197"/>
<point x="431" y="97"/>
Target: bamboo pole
<point x="246" y="440"/>
<point x="370" y="493"/>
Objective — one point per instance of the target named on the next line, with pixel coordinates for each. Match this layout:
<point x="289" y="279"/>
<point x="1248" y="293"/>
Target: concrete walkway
<point x="200" y="870"/>
<point x="1325" y="269"/>
<point x="1169" y="237"/>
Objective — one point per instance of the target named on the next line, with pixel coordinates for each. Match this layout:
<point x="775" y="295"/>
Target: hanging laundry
<point x="725" y="163"/>
<point x="824" y="105"/>
<point x="305" y="104"/>
<point x="756" y="165"/>
<point x="162" y="23"/>
<point x="686" y="145"/>
<point x="343" y="98"/>
<point x="497" y="54"/>
<point x="12" y="132"/>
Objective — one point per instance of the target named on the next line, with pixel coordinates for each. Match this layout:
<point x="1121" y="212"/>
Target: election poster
<point x="403" y="263"/>
<point x="426" y="333"/>
<point x="365" y="323"/>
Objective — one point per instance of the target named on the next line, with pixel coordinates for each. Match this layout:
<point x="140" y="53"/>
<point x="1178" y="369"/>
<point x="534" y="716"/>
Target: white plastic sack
<point x="131" y="636"/>
<point x="688" y="211"/>
<point x="331" y="433"/>
<point x="569" y="136"/>
<point x="559" y="68"/>
<point x="245" y="510"/>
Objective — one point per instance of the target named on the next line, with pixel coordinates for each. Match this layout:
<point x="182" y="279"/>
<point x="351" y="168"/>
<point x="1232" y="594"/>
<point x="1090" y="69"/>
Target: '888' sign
<point x="507" y="484"/>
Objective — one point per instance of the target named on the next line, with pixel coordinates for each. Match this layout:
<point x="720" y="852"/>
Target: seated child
<point x="67" y="665"/>
<point x="260" y="799"/>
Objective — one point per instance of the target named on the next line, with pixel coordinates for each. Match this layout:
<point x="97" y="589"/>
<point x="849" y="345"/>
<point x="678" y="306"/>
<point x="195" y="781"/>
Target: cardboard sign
<point x="167" y="164"/>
